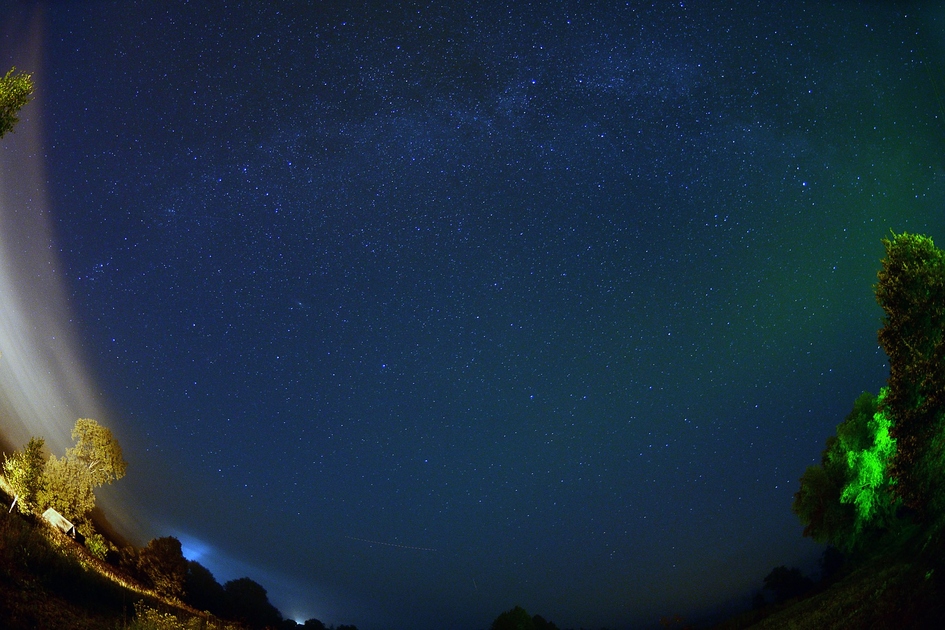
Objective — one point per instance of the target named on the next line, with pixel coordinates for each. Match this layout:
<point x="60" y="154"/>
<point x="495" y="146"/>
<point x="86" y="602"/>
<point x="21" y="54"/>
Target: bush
<point x="163" y="563"/>
<point x="97" y="546"/>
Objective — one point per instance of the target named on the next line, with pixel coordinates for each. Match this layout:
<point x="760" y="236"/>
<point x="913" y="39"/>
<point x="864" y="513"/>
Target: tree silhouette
<point x="164" y="565"/>
<point x="515" y="619"/>
<point x="201" y="589"/>
<point x="911" y="292"/>
<point x="248" y="603"/>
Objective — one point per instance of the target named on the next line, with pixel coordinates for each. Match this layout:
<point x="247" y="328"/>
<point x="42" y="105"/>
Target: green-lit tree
<point x="851" y="491"/>
<point x="870" y="486"/>
<point x="24" y="472"/>
<point x="16" y="89"/>
<point x="890" y="451"/>
<point x="911" y="292"/>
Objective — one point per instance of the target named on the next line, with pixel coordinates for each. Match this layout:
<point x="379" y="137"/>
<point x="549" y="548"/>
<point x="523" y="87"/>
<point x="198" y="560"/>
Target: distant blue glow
<point x="294" y="600"/>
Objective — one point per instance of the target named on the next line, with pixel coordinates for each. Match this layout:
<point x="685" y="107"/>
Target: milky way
<point x="416" y="314"/>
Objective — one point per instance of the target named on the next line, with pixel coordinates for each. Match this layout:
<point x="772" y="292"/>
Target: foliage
<point x="850" y="492"/>
<point x="98" y="450"/>
<point x="97" y="545"/>
<point x="870" y="487"/>
<point x="67" y="484"/>
<point x="911" y="292"/>
<point x="67" y="488"/>
<point x="16" y="89"/>
<point x="148" y="618"/>
<point x="164" y="565"/>
<point x="24" y="472"/>
<point x="247" y="602"/>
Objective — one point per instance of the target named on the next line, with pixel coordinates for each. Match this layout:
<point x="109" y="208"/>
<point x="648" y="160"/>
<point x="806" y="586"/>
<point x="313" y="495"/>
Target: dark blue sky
<point x="416" y="314"/>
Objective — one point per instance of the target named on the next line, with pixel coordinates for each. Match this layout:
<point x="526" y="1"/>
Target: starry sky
<point x="414" y="312"/>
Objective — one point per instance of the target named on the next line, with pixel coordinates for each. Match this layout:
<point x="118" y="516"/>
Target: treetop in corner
<point x="16" y="90"/>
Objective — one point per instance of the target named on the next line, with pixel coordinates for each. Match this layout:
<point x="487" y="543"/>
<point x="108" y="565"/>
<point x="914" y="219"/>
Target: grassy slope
<point x="899" y="585"/>
<point x="49" y="581"/>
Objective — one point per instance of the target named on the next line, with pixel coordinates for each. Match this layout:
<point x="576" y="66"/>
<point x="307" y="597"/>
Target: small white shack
<point x="59" y="521"/>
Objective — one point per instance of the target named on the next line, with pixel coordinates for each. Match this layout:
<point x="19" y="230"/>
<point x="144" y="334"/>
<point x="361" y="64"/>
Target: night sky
<point x="413" y="314"/>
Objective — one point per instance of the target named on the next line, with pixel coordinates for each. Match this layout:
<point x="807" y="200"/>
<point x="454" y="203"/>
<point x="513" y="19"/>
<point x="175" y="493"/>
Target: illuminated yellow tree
<point x="69" y="483"/>
<point x="16" y="89"/>
<point x="24" y="472"/>
<point x="98" y="450"/>
<point x="67" y="488"/>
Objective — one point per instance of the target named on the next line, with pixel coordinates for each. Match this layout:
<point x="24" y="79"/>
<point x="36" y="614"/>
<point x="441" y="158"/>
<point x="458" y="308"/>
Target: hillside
<point x="899" y="584"/>
<point x="47" y="580"/>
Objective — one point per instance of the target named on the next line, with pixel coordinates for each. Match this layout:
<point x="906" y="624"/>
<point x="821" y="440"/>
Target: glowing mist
<point x="44" y="386"/>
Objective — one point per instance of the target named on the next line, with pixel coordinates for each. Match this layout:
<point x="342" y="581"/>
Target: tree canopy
<point x="201" y="589"/>
<point x="911" y="292"/>
<point x="98" y="450"/>
<point x="16" y="90"/>
<point x="514" y="619"/>
<point x="67" y="488"/>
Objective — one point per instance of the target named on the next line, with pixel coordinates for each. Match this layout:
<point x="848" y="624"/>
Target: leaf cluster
<point x="16" y="90"/>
